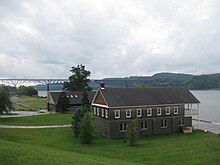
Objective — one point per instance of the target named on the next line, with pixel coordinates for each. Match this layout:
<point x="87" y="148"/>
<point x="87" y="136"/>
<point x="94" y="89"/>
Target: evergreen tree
<point x="86" y="129"/>
<point x="5" y="102"/>
<point x="78" y="81"/>
<point x="76" y="119"/>
<point x="132" y="133"/>
<point x="63" y="102"/>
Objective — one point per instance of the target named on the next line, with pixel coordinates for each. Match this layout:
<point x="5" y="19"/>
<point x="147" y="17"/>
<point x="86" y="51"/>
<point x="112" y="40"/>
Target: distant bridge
<point x="47" y="82"/>
<point x="16" y="82"/>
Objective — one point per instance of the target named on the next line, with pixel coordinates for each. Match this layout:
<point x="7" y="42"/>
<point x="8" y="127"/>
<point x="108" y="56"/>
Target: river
<point x="210" y="105"/>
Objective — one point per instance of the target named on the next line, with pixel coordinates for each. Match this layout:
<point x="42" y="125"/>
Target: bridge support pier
<point x="48" y="90"/>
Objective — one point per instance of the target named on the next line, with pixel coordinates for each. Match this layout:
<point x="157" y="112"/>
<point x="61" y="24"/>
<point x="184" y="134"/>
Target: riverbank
<point x="206" y="126"/>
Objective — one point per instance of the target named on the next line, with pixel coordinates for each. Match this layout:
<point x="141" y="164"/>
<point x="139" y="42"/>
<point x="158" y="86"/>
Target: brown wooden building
<point x="158" y="110"/>
<point x="75" y="99"/>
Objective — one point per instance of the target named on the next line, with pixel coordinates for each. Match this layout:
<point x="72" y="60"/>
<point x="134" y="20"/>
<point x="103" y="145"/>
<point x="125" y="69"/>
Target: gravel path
<point x="47" y="126"/>
<point x="25" y="113"/>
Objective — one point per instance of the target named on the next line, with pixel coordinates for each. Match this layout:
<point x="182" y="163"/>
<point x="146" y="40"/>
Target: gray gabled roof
<point x="118" y="97"/>
<point x="75" y="97"/>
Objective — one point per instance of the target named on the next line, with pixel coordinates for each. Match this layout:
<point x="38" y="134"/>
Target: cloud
<point x="44" y="39"/>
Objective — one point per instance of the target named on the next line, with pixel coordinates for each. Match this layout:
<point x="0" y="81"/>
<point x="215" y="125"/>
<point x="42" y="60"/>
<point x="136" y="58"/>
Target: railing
<point x="190" y="112"/>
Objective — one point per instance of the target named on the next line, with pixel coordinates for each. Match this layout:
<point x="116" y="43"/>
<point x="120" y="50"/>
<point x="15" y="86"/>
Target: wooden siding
<point x="111" y="129"/>
<point x="99" y="99"/>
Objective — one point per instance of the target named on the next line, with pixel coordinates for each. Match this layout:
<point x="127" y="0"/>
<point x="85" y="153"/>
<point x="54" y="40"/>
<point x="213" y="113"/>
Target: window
<point x="106" y="113"/>
<point x="94" y="110"/>
<point x="138" y="112"/>
<point x="167" y="110"/>
<point x="181" y="122"/>
<point x="159" y="112"/>
<point x="102" y="112"/>
<point x="117" y="114"/>
<point x="175" y="110"/>
<point x="128" y="113"/>
<point x="149" y="112"/>
<point x="123" y="127"/>
<point x="163" y="123"/>
<point x="144" y="125"/>
<point x="98" y="111"/>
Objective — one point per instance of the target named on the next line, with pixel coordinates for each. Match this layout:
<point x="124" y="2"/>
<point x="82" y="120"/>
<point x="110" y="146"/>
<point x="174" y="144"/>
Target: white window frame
<point x="149" y="110"/>
<point x="139" y="110"/>
<point x="102" y="112"/>
<point x="145" y="125"/>
<point x="159" y="110"/>
<point x="94" y="110"/>
<point x="128" y="111"/>
<point x="124" y="127"/>
<point x="167" y="110"/>
<point x="106" y="113"/>
<point x="176" y="110"/>
<point x="97" y="111"/>
<point x="117" y="112"/>
<point x="181" y="122"/>
<point x="164" y="123"/>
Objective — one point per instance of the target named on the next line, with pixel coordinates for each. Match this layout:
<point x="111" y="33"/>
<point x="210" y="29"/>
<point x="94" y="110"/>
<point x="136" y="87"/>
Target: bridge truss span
<point x="16" y="82"/>
<point x="47" y="82"/>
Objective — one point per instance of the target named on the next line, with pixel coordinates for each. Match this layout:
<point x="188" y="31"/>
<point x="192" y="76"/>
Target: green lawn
<point x="30" y="103"/>
<point x="44" y="119"/>
<point x="59" y="146"/>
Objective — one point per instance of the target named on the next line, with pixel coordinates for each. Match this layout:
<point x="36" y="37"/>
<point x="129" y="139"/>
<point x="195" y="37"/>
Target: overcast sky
<point x="45" y="38"/>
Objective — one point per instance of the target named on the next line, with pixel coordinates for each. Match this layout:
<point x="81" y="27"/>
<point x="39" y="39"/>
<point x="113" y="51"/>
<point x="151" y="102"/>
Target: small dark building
<point x="157" y="110"/>
<point x="75" y="99"/>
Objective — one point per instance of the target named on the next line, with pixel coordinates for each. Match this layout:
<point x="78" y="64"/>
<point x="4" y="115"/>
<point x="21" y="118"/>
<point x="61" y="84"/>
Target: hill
<point x="196" y="82"/>
<point x="211" y="81"/>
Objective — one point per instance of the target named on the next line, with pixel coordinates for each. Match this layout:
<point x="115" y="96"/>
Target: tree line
<point x="194" y="82"/>
<point x="22" y="90"/>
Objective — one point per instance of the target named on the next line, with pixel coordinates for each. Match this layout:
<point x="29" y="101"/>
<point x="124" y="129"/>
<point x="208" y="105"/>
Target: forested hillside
<point x="211" y="81"/>
<point x="198" y="82"/>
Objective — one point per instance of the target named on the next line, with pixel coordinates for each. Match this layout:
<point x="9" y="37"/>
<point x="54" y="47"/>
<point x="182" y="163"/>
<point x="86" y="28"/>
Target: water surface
<point x="210" y="105"/>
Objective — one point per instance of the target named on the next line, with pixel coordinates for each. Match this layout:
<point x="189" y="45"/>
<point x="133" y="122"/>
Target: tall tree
<point x="86" y="129"/>
<point x="5" y="102"/>
<point x="132" y="133"/>
<point x="63" y="102"/>
<point x="78" y="81"/>
<point x="85" y="100"/>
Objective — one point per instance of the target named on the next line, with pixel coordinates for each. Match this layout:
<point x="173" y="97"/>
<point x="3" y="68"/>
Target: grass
<point x="30" y="103"/>
<point x="44" y="119"/>
<point x="59" y="146"/>
<point x="19" y="107"/>
<point x="42" y="155"/>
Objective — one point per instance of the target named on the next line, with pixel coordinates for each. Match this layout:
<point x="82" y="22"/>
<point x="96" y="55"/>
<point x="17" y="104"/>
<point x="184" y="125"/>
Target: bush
<point x="132" y="133"/>
<point x="86" y="129"/>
